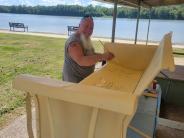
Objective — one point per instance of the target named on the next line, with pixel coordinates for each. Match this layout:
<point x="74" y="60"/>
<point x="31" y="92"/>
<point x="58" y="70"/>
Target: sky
<point x="53" y="2"/>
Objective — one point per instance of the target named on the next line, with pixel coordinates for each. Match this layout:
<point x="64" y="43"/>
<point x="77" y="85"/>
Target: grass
<point x="24" y="54"/>
<point x="178" y="52"/>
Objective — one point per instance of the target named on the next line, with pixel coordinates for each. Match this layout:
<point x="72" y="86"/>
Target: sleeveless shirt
<point x="73" y="72"/>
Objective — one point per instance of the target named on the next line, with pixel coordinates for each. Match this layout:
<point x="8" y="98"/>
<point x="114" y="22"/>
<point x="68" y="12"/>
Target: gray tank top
<point x="72" y="72"/>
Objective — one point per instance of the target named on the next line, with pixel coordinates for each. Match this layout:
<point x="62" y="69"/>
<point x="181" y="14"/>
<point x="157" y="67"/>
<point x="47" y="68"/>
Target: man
<point x="80" y="58"/>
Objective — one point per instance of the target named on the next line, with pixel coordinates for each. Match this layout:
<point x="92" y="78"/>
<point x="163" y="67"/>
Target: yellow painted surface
<point x="115" y="77"/>
<point x="103" y="104"/>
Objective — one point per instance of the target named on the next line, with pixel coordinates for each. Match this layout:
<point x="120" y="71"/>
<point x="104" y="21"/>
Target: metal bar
<point x="148" y="26"/>
<point x="138" y="17"/>
<point x="114" y="20"/>
<point x="103" y="62"/>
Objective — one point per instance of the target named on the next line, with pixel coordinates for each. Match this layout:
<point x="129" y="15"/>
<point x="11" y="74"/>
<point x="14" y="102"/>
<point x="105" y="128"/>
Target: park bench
<point x="72" y="29"/>
<point x="17" y="25"/>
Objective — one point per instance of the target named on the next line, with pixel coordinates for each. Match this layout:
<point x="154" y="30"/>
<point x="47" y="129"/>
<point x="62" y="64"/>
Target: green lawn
<point x="178" y="52"/>
<point x="42" y="56"/>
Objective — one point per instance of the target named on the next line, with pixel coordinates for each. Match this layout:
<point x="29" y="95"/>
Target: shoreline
<point x="45" y="34"/>
<point x="105" y="17"/>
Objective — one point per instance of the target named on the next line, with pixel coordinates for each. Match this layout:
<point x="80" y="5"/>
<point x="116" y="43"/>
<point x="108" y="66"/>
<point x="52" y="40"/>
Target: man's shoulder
<point x="73" y="38"/>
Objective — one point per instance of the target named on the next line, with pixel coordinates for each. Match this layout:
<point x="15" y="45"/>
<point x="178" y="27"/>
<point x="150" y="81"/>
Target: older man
<point x="80" y="58"/>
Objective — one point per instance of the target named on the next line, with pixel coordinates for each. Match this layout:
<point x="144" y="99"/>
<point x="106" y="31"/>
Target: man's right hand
<point x="107" y="56"/>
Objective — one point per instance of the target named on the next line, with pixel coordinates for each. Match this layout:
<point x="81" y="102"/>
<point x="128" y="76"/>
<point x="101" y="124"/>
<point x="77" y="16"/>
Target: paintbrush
<point x="103" y="62"/>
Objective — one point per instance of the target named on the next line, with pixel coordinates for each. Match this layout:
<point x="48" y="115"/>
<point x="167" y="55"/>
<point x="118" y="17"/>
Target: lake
<point x="125" y="28"/>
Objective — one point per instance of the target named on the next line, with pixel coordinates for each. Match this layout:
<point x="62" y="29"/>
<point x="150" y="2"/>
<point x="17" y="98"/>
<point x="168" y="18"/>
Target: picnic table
<point x="72" y="29"/>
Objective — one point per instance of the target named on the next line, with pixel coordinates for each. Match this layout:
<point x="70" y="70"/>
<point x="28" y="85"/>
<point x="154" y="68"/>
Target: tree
<point x="170" y="12"/>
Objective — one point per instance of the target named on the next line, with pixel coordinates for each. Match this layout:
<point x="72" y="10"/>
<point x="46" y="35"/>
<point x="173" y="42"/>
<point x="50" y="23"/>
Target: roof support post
<point x="148" y="27"/>
<point x="114" y="20"/>
<point x="138" y="17"/>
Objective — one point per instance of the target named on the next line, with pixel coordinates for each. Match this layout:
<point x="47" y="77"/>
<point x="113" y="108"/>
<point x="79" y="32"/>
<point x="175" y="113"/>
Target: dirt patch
<point x="6" y="119"/>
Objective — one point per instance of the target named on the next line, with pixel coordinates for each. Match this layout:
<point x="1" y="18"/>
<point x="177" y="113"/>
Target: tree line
<point x="170" y="12"/>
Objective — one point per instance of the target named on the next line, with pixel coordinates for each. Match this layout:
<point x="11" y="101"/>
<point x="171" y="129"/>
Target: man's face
<point x="86" y="27"/>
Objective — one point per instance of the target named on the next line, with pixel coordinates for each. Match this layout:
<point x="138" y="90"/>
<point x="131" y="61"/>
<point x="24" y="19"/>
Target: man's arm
<point x="76" y="53"/>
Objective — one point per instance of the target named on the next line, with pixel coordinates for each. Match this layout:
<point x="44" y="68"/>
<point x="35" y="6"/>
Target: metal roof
<point x="145" y="3"/>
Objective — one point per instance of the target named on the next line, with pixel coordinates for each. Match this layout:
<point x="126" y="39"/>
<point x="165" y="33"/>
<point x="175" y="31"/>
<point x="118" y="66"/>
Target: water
<point x="125" y="28"/>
